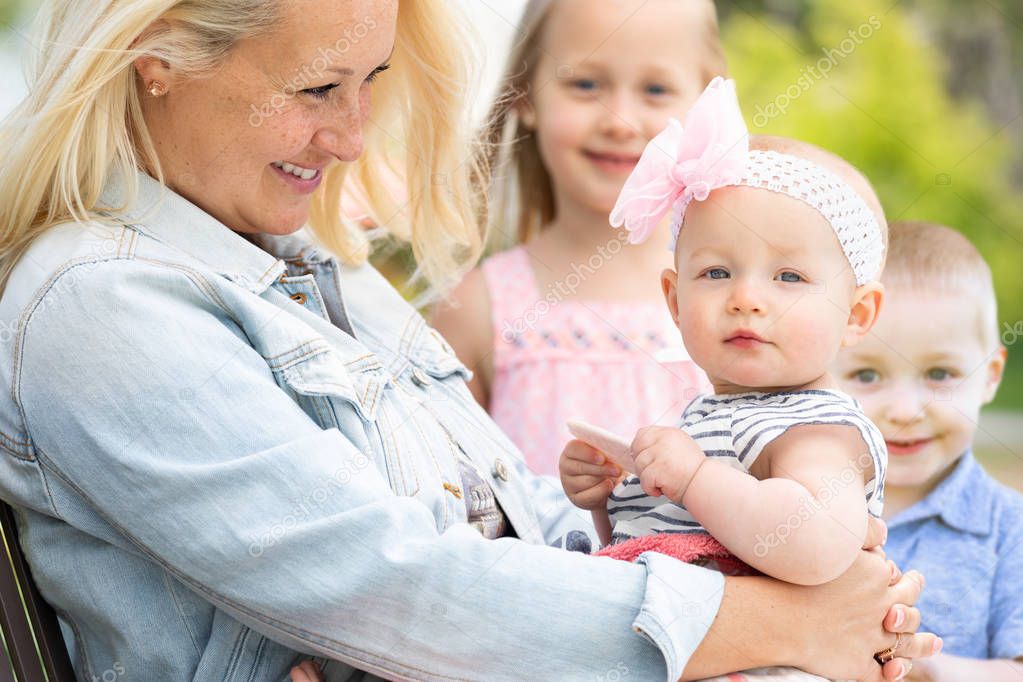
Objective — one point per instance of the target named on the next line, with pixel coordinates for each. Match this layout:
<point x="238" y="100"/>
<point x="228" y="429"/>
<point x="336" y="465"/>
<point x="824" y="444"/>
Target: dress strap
<point x="511" y="286"/>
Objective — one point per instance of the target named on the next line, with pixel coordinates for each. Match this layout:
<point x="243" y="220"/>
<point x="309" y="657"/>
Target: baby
<point x="931" y="362"/>
<point x="778" y="248"/>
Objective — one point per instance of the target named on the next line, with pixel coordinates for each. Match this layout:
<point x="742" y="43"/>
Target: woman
<point x="230" y="451"/>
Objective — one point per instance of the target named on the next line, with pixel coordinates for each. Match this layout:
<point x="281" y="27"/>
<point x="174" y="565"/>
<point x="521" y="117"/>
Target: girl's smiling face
<point x="610" y="76"/>
<point x="296" y="97"/>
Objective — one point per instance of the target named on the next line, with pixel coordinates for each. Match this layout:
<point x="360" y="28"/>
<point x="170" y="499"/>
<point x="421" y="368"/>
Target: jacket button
<point x="419" y="377"/>
<point x="500" y="470"/>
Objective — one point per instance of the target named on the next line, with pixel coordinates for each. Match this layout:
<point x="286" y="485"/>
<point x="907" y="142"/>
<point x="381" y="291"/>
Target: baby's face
<point x="922" y="375"/>
<point x="764" y="292"/>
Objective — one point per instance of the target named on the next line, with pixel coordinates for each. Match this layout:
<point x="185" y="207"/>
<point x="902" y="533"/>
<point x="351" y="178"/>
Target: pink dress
<point x="601" y="361"/>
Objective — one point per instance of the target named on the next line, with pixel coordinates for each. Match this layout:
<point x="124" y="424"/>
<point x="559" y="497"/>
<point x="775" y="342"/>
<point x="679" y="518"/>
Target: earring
<point x="157" y="88"/>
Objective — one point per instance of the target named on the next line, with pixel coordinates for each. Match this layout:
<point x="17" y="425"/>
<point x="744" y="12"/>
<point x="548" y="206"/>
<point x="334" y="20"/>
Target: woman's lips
<point x="298" y="184"/>
<point x="907" y="447"/>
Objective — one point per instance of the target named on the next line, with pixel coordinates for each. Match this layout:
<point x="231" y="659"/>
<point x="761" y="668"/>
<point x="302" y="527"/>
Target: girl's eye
<point x="867" y="376"/>
<point x="938" y="374"/>
<point x="717" y="273"/>
<point x="322" y="91"/>
<point x="789" y="276"/>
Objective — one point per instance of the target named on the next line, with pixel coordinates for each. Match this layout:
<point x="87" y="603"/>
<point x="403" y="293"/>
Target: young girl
<point x="561" y="326"/>
<point x="779" y="247"/>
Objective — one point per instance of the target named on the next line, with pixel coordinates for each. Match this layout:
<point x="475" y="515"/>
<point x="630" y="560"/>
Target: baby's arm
<point x="805" y="522"/>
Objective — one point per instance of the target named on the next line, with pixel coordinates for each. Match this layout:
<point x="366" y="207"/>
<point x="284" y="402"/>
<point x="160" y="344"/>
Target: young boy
<point x="931" y="362"/>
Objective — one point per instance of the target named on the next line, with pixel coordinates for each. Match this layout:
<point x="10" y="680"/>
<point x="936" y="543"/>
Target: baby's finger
<point x="591" y="498"/>
<point x="583" y="452"/>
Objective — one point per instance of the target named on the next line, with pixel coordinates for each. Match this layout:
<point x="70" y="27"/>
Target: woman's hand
<point x="847" y="610"/>
<point x="587" y="476"/>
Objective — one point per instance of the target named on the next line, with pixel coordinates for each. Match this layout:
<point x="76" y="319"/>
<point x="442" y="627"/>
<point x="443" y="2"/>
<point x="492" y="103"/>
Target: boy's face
<point x="922" y="375"/>
<point x="764" y="296"/>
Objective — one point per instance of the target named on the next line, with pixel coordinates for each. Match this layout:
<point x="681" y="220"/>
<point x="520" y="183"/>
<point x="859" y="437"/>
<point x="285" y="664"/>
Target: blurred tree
<point x="867" y="81"/>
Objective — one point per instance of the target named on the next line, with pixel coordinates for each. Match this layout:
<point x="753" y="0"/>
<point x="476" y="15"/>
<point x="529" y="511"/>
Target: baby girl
<point x="778" y="248"/>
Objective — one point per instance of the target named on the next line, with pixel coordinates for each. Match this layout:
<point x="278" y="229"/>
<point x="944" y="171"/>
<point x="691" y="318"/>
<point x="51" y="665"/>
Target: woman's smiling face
<point x="297" y="96"/>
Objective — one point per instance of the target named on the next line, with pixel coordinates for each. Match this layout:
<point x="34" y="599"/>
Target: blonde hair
<point x="522" y="193"/>
<point x="82" y="120"/>
<point x="927" y="257"/>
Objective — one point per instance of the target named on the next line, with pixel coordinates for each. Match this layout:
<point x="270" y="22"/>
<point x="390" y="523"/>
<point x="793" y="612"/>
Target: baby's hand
<point x="587" y="476"/>
<point x="666" y="461"/>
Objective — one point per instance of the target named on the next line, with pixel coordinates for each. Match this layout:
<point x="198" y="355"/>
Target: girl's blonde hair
<point x="522" y="193"/>
<point x="82" y="120"/>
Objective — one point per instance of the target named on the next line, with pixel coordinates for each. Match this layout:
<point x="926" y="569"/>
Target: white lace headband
<point x="682" y="165"/>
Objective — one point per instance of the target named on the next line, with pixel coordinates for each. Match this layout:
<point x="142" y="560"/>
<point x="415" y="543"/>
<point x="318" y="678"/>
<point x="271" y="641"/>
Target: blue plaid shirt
<point x="966" y="537"/>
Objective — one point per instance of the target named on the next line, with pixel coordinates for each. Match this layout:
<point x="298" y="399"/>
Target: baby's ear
<point x="669" y="285"/>
<point x="866" y="306"/>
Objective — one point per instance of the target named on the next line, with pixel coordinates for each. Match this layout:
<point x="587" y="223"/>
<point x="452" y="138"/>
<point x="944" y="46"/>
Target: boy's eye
<point x="867" y="376"/>
<point x="938" y="374"/>
<point x="322" y="91"/>
<point x="717" y="273"/>
<point x="789" y="276"/>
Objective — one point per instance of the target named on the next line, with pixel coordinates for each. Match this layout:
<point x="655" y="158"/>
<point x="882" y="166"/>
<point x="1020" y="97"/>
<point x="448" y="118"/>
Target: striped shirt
<point x="736" y="429"/>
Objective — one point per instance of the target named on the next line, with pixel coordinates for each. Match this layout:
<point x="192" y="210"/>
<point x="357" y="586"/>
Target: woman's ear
<point x="866" y="306"/>
<point x="995" y="369"/>
<point x="149" y="68"/>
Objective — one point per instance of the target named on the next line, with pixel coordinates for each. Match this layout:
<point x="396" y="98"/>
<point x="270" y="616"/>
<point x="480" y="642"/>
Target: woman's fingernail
<point x="903" y="671"/>
<point x="936" y="649"/>
<point x="900" y="618"/>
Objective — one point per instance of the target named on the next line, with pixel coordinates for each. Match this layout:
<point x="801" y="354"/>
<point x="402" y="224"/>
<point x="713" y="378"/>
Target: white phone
<point x="616" y="448"/>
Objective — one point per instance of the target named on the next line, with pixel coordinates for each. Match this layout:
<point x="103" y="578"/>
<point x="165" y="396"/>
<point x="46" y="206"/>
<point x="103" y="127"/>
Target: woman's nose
<point x="341" y="134"/>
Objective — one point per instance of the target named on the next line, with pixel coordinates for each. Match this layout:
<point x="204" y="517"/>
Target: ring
<point x="888" y="654"/>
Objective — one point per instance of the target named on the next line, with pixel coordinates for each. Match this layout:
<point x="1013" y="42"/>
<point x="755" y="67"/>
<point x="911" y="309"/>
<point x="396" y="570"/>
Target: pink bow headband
<point x="685" y="164"/>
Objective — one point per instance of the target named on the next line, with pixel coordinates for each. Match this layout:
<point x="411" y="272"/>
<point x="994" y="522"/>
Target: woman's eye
<point x="322" y="91"/>
<point x="790" y="277"/>
<point x="867" y="376"/>
<point x="717" y="273"/>
<point x="376" y="72"/>
<point x="938" y="374"/>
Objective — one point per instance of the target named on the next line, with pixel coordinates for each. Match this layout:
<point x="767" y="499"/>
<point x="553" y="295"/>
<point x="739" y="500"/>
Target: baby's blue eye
<point x="938" y="374"/>
<point x="789" y="276"/>
<point x="867" y="376"/>
<point x="717" y="273"/>
<point x="656" y="90"/>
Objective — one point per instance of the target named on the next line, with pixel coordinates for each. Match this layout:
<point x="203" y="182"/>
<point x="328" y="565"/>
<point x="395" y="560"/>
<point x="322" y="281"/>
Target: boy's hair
<point x="522" y="193"/>
<point x="929" y="257"/>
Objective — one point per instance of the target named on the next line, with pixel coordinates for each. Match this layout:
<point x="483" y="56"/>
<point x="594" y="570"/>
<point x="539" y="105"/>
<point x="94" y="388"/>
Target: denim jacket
<point x="220" y="467"/>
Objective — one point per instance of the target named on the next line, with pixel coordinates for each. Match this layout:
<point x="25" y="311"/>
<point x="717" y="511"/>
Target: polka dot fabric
<point x="556" y="360"/>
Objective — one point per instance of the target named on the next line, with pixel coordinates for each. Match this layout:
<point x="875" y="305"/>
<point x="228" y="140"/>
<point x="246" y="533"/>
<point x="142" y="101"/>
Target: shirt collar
<point x="165" y="216"/>
<point x="963" y="500"/>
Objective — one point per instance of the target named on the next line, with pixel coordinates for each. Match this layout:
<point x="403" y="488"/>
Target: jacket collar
<point x="169" y="218"/>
